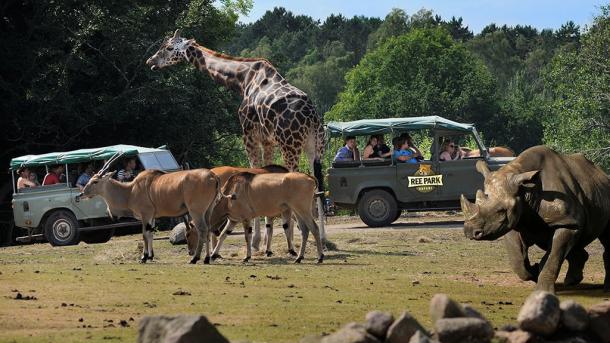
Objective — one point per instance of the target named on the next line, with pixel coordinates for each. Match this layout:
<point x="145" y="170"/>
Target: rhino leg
<point x="563" y="240"/>
<point x="518" y="258"/>
<point x="576" y="259"/>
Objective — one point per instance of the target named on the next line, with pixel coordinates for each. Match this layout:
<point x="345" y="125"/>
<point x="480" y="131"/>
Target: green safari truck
<point x="56" y="212"/>
<point x="379" y="189"/>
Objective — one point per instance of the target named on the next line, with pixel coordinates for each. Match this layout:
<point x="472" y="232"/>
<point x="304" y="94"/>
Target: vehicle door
<point x="417" y="181"/>
<point x="87" y="208"/>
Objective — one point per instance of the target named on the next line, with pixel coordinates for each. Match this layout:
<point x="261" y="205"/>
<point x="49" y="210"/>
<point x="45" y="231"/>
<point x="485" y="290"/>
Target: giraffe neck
<point x="233" y="72"/>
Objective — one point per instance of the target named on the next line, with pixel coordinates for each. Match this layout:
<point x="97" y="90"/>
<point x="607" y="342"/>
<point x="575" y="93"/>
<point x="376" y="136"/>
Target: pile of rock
<point x="541" y="319"/>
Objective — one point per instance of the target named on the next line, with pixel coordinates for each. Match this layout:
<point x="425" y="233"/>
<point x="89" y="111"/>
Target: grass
<point x="269" y="300"/>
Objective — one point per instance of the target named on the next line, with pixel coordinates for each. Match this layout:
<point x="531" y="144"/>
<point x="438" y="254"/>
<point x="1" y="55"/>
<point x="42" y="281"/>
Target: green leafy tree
<point x="424" y="72"/>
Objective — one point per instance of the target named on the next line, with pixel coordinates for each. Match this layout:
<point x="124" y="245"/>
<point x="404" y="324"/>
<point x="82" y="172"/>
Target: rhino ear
<point x="526" y="179"/>
<point x="483" y="168"/>
<point x="480" y="197"/>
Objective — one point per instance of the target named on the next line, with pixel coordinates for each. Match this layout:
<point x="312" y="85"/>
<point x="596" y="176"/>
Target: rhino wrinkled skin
<point x="560" y="203"/>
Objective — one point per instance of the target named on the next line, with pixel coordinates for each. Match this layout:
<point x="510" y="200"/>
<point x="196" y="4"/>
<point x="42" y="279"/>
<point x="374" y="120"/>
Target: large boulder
<point x="540" y="314"/>
<point x="420" y="337"/>
<point x="351" y="333"/>
<point x="178" y="329"/>
<point x="517" y="336"/>
<point x="574" y="316"/>
<point x="599" y="321"/>
<point x="377" y="323"/>
<point x="441" y="306"/>
<point x="463" y="330"/>
<point x="178" y="234"/>
<point x="403" y="329"/>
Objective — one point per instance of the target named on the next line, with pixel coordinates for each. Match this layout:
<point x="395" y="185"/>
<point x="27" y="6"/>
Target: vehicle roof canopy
<point x="390" y="125"/>
<point x="79" y="156"/>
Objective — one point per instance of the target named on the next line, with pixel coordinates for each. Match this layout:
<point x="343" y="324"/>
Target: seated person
<point x="449" y="151"/>
<point x="84" y="178"/>
<point x="128" y="173"/>
<point x="34" y="178"/>
<point x="381" y="149"/>
<point x="369" y="152"/>
<point x="348" y="152"/>
<point x="24" y="178"/>
<point x="53" y="176"/>
<point x="412" y="146"/>
<point x="402" y="152"/>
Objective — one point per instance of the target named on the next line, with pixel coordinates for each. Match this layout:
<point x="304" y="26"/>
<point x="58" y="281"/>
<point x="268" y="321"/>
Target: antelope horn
<point x="470" y="210"/>
<point x="109" y="162"/>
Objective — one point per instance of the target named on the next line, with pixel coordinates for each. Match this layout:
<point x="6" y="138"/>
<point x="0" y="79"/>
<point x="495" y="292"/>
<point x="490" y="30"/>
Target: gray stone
<point x="540" y="314"/>
<point x="599" y="321"/>
<point x="420" y="337"/>
<point x="574" y="317"/>
<point x="178" y="234"/>
<point x="443" y="307"/>
<point x="463" y="330"/>
<point x="351" y="333"/>
<point x="473" y="313"/>
<point x="403" y="328"/>
<point x="517" y="336"/>
<point x="178" y="329"/>
<point x="377" y="323"/>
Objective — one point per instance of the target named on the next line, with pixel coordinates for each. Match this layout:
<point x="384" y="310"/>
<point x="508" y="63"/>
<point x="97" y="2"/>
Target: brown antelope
<point x="494" y="151"/>
<point x="155" y="194"/>
<point x="246" y="196"/>
<point x="224" y="173"/>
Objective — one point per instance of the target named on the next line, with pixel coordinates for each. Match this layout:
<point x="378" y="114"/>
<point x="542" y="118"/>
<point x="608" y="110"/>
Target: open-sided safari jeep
<point x="381" y="189"/>
<point x="57" y="213"/>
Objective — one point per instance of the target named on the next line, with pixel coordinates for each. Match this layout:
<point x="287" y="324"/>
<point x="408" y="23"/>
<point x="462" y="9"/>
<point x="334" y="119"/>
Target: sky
<point x="477" y="14"/>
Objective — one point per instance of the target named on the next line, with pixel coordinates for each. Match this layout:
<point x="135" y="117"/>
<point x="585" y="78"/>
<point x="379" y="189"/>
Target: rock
<point x="420" y="337"/>
<point x="403" y="328"/>
<point x="540" y="314"/>
<point x="178" y="329"/>
<point x="443" y="307"/>
<point x="463" y="330"/>
<point x="351" y="333"/>
<point x="178" y="234"/>
<point x="377" y="323"/>
<point x="599" y="321"/>
<point x="517" y="336"/>
<point x="574" y="317"/>
<point x="471" y="312"/>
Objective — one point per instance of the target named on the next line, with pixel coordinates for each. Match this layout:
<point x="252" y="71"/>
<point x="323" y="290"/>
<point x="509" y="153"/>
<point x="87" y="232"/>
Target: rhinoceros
<point x="560" y="203"/>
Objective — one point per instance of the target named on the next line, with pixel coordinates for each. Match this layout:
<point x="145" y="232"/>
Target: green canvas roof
<point x="79" y="156"/>
<point x="389" y="125"/>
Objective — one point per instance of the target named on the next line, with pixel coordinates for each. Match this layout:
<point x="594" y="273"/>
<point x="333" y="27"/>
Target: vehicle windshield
<point x="161" y="160"/>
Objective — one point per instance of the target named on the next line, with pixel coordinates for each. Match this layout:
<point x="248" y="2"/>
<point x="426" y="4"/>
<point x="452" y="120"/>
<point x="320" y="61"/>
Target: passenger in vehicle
<point x="381" y="149"/>
<point x="402" y="153"/>
<point x="449" y="151"/>
<point x="412" y="146"/>
<point x="348" y="152"/>
<point x="24" y="178"/>
<point x="34" y="178"/>
<point x="128" y="173"/>
<point x="84" y="178"/>
<point x="53" y="176"/>
<point x="369" y="152"/>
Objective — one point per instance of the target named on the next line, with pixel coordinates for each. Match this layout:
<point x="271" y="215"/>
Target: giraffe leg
<point x="253" y="149"/>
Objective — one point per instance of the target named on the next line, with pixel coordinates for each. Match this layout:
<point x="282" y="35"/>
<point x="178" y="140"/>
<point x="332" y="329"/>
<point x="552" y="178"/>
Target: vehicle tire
<point x="398" y="213"/>
<point x="97" y="236"/>
<point x="61" y="228"/>
<point x="377" y="208"/>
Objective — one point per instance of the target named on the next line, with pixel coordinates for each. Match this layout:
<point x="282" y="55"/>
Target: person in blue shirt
<point x="402" y="153"/>
<point x="84" y="178"/>
<point x="348" y="152"/>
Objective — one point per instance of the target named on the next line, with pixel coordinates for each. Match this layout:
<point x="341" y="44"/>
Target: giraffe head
<point x="172" y="51"/>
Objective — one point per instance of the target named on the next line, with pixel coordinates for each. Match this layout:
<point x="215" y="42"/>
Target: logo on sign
<point x="425" y="180"/>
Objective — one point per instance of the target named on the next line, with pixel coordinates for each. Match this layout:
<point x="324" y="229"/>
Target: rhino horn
<point x="177" y="33"/>
<point x="469" y="209"/>
<point x="483" y="168"/>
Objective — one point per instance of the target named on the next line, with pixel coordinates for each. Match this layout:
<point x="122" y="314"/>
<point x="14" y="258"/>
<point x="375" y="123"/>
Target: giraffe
<point x="272" y="113"/>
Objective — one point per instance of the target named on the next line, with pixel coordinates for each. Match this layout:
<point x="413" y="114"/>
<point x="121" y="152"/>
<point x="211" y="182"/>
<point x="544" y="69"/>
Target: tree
<point x="578" y="117"/>
<point x="424" y="72"/>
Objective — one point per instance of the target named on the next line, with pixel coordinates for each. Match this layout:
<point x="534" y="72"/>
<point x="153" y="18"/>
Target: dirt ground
<point x="98" y="293"/>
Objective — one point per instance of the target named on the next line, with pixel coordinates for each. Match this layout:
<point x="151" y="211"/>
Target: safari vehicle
<point x="380" y="189"/>
<point x="57" y="213"/>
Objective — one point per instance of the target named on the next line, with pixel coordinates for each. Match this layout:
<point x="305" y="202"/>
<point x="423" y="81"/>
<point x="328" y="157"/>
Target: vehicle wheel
<point x="61" y="228"/>
<point x="97" y="236"/>
<point x="377" y="208"/>
<point x="398" y="213"/>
